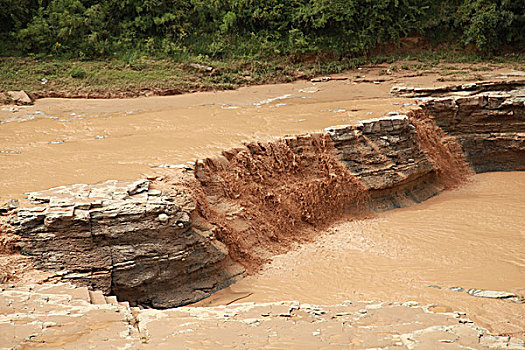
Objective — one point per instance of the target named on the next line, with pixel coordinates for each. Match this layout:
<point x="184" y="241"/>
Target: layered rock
<point x="462" y="89"/>
<point x="63" y="316"/>
<point x="171" y="247"/>
<point x="389" y="157"/>
<point x="171" y="242"/>
<point x="490" y="127"/>
<point x="126" y="239"/>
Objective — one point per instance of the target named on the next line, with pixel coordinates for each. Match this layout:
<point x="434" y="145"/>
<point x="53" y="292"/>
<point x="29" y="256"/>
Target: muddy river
<point x="473" y="237"/>
<point x="67" y="141"/>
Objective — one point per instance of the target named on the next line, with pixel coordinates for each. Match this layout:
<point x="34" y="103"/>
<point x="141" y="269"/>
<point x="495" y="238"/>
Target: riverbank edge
<point x="142" y="76"/>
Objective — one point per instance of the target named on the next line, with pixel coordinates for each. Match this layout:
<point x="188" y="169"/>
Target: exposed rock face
<point x="388" y="157"/>
<point x="172" y="247"/>
<point x="490" y="127"/>
<point x="464" y="89"/>
<point x="157" y="248"/>
<point x="126" y="239"/>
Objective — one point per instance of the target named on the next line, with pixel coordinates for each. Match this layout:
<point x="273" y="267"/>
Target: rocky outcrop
<point x="63" y="316"/>
<point x="463" y="89"/>
<point x="171" y="241"/>
<point x="489" y="126"/>
<point x="172" y="247"/>
<point x="388" y="156"/>
<point x="126" y="239"/>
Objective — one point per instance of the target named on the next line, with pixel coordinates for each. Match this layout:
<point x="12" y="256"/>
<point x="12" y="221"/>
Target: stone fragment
<point x="20" y="97"/>
<point x="138" y="187"/>
<point x="13" y="204"/>
<point x="492" y="294"/>
<point x="320" y="79"/>
<point x="201" y="67"/>
<point x="172" y="166"/>
<point x="501" y="342"/>
<point x="154" y="193"/>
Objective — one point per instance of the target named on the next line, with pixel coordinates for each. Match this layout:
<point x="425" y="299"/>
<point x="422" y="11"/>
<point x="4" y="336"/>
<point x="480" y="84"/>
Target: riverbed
<point x="433" y="253"/>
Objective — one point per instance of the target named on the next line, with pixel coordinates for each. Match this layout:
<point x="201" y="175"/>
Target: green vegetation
<point x="141" y="74"/>
<point x="117" y="78"/>
<point x="138" y="45"/>
<point x="177" y="29"/>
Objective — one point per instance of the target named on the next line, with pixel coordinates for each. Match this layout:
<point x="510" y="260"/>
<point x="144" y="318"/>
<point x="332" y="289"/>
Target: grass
<point x="132" y="77"/>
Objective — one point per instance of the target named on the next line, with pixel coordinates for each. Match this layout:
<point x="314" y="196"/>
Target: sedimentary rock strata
<point x="389" y="157"/>
<point x="168" y="248"/>
<point x="168" y="242"/>
<point x="490" y="127"/>
<point x="126" y="239"/>
<point x="463" y="89"/>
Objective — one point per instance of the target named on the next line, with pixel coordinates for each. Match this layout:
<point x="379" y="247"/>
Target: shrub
<point x="78" y="73"/>
<point x="256" y="28"/>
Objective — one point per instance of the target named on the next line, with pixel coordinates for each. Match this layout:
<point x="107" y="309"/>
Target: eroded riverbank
<point x="469" y="237"/>
<point x="67" y="141"/>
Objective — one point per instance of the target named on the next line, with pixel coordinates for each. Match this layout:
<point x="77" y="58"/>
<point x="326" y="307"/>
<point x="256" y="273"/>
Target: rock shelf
<point x="69" y="317"/>
<point x="172" y="241"/>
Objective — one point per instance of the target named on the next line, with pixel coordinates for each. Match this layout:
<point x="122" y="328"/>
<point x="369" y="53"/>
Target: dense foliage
<point x="220" y="28"/>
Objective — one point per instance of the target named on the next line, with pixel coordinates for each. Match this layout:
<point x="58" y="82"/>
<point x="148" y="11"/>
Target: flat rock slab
<point x="66" y="317"/>
<point x="493" y="294"/>
<point x="465" y="89"/>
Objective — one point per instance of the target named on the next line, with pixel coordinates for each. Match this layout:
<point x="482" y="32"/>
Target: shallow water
<point x="66" y="141"/>
<point x="472" y="237"/>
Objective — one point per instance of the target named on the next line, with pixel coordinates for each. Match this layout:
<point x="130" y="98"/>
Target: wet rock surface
<point x="465" y="89"/>
<point x="154" y="247"/>
<point x="68" y="317"/>
<point x="161" y="249"/>
<point x="172" y="247"/>
<point x="386" y="155"/>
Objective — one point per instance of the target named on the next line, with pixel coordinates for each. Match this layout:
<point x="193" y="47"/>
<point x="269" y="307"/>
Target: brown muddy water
<point x="67" y="141"/>
<point x="472" y="237"/>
